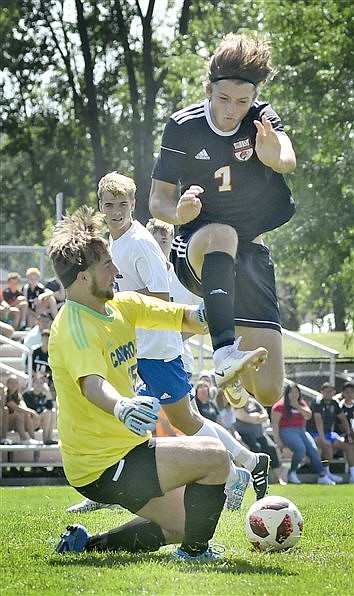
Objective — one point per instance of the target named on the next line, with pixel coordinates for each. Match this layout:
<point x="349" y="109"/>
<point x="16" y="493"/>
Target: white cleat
<point x="230" y="362"/>
<point x="87" y="505"/>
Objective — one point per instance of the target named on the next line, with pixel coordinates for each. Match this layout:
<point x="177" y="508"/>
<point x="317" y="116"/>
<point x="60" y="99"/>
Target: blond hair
<point x="157" y="225"/>
<point x="76" y="244"/>
<point x="117" y="184"/>
<point x="241" y="57"/>
<point x="32" y="271"/>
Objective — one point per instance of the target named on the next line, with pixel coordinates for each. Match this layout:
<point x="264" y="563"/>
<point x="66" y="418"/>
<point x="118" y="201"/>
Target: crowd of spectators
<point x="319" y="430"/>
<point x="29" y="308"/>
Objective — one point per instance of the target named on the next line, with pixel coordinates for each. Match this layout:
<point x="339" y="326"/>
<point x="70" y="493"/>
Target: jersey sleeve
<point x="172" y="155"/>
<point x="272" y="116"/>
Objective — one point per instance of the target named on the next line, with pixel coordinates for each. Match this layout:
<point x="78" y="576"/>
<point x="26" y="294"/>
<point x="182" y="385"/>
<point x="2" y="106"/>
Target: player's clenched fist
<point x="189" y="204"/>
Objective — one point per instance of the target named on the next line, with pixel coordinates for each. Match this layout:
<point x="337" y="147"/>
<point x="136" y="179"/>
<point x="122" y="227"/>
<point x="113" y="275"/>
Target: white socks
<point x="241" y="455"/>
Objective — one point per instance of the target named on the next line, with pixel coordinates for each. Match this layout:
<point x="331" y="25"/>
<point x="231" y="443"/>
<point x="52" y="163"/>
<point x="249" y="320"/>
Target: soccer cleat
<point x="211" y="554"/>
<point x="87" y="505"/>
<point x="236" y="394"/>
<point x="260" y="475"/>
<point x="75" y="540"/>
<point x="293" y="478"/>
<point x="325" y="480"/>
<point x="236" y="491"/>
<point x="230" y="362"/>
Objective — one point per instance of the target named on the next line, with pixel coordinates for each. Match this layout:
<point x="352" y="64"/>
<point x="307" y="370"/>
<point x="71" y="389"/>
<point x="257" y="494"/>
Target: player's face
<point x="164" y="240"/>
<point x="229" y="103"/>
<point x="102" y="278"/>
<point x="118" y="212"/>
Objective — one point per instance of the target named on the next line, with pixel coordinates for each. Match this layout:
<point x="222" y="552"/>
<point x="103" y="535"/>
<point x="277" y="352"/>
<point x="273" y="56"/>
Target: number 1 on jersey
<point x="225" y="174"/>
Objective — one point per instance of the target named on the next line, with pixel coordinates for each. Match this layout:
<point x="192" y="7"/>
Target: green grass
<point x="32" y="519"/>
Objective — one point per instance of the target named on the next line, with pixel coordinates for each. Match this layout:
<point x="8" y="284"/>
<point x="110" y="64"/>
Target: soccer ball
<point x="273" y="524"/>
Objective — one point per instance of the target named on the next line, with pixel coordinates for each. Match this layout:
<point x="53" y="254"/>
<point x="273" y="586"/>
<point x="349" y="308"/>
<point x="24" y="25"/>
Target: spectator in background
<point x="16" y="300"/>
<point x="9" y="317"/>
<point x="33" y="338"/>
<point x="21" y="418"/>
<point x="288" y="421"/>
<point x="40" y="357"/>
<point x="39" y="298"/>
<point x="326" y="412"/>
<point x="226" y="413"/>
<point x="346" y="402"/>
<point x="40" y="400"/>
<point x="204" y="402"/>
<point x="250" y="421"/>
<point x="58" y="290"/>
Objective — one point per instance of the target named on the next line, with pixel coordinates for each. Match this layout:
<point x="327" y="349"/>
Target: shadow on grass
<point x="230" y="565"/>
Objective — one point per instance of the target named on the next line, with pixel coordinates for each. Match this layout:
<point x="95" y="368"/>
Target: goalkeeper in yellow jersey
<point x="175" y="485"/>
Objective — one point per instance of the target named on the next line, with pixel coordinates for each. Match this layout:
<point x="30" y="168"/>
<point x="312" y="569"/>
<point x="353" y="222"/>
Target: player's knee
<point x="218" y="459"/>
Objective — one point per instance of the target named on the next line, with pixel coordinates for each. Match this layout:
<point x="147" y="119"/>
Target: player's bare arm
<point x="100" y="392"/>
<point x="274" y="149"/>
<point x="162" y="202"/>
<point x="194" y="320"/>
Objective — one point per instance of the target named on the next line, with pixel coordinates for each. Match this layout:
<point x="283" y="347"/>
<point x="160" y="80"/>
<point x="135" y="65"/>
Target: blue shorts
<point x="332" y="436"/>
<point x="167" y="381"/>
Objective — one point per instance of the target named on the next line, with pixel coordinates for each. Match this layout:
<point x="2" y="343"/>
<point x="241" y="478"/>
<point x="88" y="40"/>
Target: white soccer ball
<point x="273" y="524"/>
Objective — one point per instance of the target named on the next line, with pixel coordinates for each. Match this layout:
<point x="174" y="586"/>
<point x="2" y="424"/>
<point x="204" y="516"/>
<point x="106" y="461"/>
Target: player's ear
<point x="207" y="89"/>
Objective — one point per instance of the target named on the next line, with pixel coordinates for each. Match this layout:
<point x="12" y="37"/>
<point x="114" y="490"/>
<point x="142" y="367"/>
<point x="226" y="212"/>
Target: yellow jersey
<point x="84" y="342"/>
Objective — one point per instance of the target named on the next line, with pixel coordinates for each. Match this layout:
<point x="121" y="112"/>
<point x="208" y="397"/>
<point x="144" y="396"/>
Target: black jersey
<point x="329" y="412"/>
<point x="238" y="189"/>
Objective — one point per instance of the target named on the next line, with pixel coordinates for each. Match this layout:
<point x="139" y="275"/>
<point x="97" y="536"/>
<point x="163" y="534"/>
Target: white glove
<point x="139" y="414"/>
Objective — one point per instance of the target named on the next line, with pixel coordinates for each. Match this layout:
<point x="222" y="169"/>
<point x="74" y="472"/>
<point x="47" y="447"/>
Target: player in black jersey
<point x="228" y="154"/>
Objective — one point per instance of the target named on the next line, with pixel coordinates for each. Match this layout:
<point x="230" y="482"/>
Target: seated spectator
<point x="204" y="402"/>
<point x="10" y="315"/>
<point x="326" y="411"/>
<point x="58" y="290"/>
<point x="4" y="417"/>
<point x="33" y="338"/>
<point x="207" y="376"/>
<point x="288" y="421"/>
<point x="39" y="298"/>
<point x="21" y="418"/>
<point x="250" y="421"/>
<point x="16" y="300"/>
<point x="40" y="399"/>
<point x="40" y="357"/>
<point x="346" y="402"/>
<point x="226" y="412"/>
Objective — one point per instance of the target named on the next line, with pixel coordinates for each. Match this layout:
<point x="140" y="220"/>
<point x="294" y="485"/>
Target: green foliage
<point x="145" y="66"/>
<point x="34" y="517"/>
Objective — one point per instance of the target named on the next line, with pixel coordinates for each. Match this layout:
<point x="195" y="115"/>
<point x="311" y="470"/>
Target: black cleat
<point x="260" y="476"/>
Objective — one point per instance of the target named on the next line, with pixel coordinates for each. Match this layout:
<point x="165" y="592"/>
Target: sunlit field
<point x="33" y="518"/>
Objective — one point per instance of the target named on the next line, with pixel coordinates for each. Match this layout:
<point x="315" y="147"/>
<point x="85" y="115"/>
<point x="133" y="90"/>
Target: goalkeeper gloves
<point x="139" y="414"/>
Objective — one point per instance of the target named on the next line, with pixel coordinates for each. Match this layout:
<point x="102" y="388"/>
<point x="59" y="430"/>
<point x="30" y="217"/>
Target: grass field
<point x="33" y="518"/>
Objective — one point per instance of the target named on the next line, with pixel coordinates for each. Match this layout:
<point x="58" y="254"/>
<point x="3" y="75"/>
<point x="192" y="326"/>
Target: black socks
<point x="203" y="504"/>
<point x="135" y="536"/>
<point x="218" y="283"/>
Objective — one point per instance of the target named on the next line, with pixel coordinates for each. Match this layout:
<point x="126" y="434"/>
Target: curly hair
<point x="76" y="244"/>
<point x="243" y="58"/>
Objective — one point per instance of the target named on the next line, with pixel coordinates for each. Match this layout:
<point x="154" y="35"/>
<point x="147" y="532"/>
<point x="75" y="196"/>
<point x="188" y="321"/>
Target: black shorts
<point x="256" y="303"/>
<point x="131" y="482"/>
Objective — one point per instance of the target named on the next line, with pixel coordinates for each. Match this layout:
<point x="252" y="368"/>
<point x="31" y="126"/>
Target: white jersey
<point x="178" y="293"/>
<point x="142" y="264"/>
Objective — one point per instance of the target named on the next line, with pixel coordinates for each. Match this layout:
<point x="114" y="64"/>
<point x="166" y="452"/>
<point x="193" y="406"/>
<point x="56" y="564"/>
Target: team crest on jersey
<point x="243" y="149"/>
